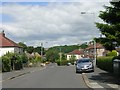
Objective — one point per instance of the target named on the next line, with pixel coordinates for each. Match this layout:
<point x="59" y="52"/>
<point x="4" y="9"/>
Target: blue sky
<point x="58" y="23"/>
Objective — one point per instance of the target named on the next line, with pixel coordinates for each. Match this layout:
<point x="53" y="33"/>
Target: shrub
<point x="12" y="61"/>
<point x="105" y="63"/>
<point x="113" y="53"/>
<point x="18" y="62"/>
<point x="63" y="62"/>
<point x="24" y="58"/>
<point x="6" y="64"/>
<point x="117" y="57"/>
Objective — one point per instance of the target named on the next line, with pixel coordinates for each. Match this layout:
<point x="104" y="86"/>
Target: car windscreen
<point x="83" y="60"/>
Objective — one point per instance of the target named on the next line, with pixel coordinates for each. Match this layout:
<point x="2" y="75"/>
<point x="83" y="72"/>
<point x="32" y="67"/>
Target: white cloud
<point x="58" y="23"/>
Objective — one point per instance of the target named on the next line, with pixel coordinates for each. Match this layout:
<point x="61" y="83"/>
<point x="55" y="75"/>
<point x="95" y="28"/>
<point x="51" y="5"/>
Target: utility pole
<point x="60" y="55"/>
<point x="95" y="53"/>
<point x="41" y="51"/>
<point x="95" y="50"/>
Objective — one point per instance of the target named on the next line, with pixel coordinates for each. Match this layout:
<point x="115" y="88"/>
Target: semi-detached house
<point x="75" y="53"/>
<point x="7" y="45"/>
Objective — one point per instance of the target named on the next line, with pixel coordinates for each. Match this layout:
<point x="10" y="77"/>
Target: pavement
<point x="100" y="79"/>
<point x="17" y="73"/>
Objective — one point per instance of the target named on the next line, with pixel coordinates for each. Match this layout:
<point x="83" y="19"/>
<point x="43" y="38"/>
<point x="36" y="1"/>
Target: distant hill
<point x="68" y="48"/>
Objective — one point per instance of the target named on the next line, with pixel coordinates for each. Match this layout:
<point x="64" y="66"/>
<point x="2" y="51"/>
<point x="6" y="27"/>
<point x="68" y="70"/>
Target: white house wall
<point x="76" y="56"/>
<point x="5" y="50"/>
<point x="100" y="52"/>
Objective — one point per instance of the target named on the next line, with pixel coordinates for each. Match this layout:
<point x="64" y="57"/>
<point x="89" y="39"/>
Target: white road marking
<point x="96" y="85"/>
<point x="113" y="85"/>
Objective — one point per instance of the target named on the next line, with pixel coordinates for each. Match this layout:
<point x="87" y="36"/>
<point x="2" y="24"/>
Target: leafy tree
<point x="24" y="46"/>
<point x="38" y="49"/>
<point x="83" y="46"/>
<point x="111" y="29"/>
<point x="52" y="55"/>
<point x="30" y="49"/>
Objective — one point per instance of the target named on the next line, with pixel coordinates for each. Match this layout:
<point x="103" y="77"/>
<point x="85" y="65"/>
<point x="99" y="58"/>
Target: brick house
<point x="7" y="45"/>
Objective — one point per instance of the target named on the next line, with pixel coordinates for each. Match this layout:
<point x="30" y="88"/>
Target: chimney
<point x="3" y="33"/>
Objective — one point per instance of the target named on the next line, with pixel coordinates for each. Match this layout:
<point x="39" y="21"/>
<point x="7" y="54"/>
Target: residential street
<point x="50" y="77"/>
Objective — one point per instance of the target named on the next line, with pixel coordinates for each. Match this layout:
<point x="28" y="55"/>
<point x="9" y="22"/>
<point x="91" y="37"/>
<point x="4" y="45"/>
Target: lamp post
<point x="95" y="53"/>
<point x="117" y="48"/>
<point x="42" y="50"/>
<point x="60" y="55"/>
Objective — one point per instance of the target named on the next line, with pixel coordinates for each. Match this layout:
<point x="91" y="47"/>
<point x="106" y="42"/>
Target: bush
<point x="113" y="53"/>
<point x="6" y="64"/>
<point x="24" y="58"/>
<point x="18" y="62"/>
<point x="63" y="62"/>
<point x="105" y="63"/>
<point x="13" y="61"/>
<point x="117" y="57"/>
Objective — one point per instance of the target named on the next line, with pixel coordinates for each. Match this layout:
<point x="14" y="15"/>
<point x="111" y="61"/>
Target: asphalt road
<point x="50" y="77"/>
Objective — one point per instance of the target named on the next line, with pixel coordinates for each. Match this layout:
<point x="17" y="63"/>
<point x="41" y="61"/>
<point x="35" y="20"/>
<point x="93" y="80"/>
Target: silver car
<point x="84" y="64"/>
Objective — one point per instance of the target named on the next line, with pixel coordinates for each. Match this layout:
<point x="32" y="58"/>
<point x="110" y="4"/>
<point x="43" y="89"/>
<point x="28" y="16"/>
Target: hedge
<point x="105" y="63"/>
<point x="12" y="61"/>
<point x="63" y="62"/>
<point x="6" y="64"/>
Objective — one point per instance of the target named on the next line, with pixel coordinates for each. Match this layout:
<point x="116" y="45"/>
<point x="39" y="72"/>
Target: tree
<point x="52" y="55"/>
<point x="30" y="49"/>
<point x="38" y="49"/>
<point x="84" y="45"/>
<point x="24" y="46"/>
<point x="111" y="29"/>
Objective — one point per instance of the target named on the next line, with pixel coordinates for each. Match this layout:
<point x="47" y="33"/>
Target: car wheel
<point x="76" y="71"/>
<point x="92" y="70"/>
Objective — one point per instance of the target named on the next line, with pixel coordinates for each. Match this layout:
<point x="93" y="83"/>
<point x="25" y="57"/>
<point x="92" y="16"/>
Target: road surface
<point x="52" y="76"/>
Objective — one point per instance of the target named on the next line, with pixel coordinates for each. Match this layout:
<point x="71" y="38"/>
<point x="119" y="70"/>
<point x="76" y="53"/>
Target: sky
<point x="51" y="23"/>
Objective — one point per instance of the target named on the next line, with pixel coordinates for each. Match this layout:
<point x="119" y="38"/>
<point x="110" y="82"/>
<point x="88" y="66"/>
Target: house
<point x="77" y="54"/>
<point x="99" y="48"/>
<point x="7" y="45"/>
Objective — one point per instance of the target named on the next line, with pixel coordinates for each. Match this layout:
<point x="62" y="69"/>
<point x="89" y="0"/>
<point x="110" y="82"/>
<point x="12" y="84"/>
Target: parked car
<point x="84" y="64"/>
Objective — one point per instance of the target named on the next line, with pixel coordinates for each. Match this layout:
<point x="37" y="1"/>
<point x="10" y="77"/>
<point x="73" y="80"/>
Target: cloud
<point x="58" y="23"/>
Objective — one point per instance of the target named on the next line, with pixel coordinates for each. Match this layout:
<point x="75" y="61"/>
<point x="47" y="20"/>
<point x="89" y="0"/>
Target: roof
<point x="98" y="46"/>
<point x="6" y="42"/>
<point x="78" y="52"/>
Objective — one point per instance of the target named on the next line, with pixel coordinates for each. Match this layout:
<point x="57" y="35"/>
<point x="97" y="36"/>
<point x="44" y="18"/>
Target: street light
<point x="60" y="55"/>
<point x="42" y="51"/>
<point x="93" y="40"/>
<point x="117" y="48"/>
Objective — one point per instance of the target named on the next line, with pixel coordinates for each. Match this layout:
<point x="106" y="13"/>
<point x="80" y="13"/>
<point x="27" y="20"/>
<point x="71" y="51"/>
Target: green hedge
<point x="113" y="53"/>
<point x="105" y="63"/>
<point x="63" y="62"/>
<point x="6" y="64"/>
<point x="12" y="61"/>
<point x="117" y="57"/>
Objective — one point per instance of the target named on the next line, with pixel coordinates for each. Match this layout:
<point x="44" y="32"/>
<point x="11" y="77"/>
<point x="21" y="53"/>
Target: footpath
<point x="100" y="79"/>
<point x="17" y="73"/>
